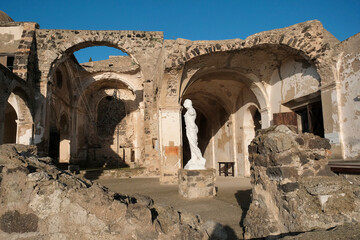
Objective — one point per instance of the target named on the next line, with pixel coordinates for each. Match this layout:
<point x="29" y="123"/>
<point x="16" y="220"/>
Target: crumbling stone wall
<point x="309" y="37"/>
<point x="293" y="189"/>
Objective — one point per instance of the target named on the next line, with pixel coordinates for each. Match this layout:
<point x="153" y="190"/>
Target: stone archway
<point x="57" y="46"/>
<point x="251" y="63"/>
<point x="221" y="98"/>
<point x="24" y="132"/>
<point x="110" y="111"/>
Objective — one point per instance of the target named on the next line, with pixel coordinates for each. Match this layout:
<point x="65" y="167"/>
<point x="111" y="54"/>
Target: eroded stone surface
<point x="197" y="183"/>
<point x="299" y="194"/>
<point x="40" y="201"/>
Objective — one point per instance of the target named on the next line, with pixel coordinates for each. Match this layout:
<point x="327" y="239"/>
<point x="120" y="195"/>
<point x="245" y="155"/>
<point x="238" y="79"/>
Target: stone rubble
<point x="40" y="201"/>
<point x="293" y="189"/>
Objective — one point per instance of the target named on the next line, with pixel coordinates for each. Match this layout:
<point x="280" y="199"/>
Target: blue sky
<point x="194" y="20"/>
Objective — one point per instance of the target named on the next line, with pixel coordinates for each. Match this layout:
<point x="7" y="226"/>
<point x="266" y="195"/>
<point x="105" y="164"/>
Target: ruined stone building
<point x="127" y="110"/>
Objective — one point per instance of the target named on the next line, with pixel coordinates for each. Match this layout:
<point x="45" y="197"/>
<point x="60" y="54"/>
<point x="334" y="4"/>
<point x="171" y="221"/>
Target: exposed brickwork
<point x="24" y="50"/>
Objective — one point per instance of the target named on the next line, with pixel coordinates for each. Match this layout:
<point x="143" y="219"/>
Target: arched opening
<point x="248" y="85"/>
<point x="93" y="54"/>
<point x="111" y="129"/>
<point x="10" y="125"/>
<point x="24" y="124"/>
<point x="72" y="89"/>
<point x="220" y="99"/>
<point x="60" y="96"/>
<point x="108" y="124"/>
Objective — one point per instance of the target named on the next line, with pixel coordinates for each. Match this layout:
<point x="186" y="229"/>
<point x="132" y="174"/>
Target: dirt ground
<point x="227" y="208"/>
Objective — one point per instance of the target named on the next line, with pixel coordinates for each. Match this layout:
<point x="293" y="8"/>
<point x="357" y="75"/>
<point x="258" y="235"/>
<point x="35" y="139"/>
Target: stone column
<point x="248" y="136"/>
<point x="24" y="132"/>
<point x="170" y="143"/>
<point x="331" y="116"/>
<point x="265" y="117"/>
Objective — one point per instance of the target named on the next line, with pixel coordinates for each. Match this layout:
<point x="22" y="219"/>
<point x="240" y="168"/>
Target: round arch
<point x="252" y="82"/>
<point x="68" y="50"/>
<point x="131" y="82"/>
<point x="20" y="102"/>
<point x="111" y="80"/>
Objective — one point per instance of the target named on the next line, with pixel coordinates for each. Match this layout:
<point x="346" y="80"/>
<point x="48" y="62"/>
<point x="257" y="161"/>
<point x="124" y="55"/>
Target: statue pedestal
<point x="197" y="183"/>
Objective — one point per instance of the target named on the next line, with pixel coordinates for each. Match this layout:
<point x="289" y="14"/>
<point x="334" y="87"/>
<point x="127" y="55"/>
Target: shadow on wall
<point x="243" y="197"/>
<point x="108" y="141"/>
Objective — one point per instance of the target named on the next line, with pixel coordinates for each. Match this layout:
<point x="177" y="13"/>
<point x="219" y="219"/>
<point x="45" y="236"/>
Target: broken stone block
<point x="197" y="183"/>
<point x="294" y="190"/>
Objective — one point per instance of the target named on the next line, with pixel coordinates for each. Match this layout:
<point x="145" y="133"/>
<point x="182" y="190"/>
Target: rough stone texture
<point x="348" y="231"/>
<point x="197" y="183"/>
<point x="308" y="37"/>
<point x="39" y="201"/>
<point x="293" y="189"/>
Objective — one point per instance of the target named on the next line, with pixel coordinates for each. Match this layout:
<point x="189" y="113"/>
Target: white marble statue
<point x="197" y="162"/>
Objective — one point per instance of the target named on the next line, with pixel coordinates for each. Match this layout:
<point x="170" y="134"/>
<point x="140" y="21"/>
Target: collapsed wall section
<point x="293" y="189"/>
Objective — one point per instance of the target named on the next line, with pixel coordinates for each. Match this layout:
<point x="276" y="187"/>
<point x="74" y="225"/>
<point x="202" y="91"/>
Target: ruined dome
<point x="4" y="17"/>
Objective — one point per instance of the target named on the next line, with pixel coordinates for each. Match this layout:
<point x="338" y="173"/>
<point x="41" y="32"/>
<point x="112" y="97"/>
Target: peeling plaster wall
<point x="350" y="97"/>
<point x="10" y="37"/>
<point x="294" y="79"/>
<point x="170" y="144"/>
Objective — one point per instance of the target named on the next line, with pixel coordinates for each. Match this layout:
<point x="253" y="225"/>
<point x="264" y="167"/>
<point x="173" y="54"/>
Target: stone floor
<point x="227" y="208"/>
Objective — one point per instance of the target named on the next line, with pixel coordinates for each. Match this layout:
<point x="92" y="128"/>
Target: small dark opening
<point x="10" y="63"/>
<point x="10" y="126"/>
<point x="257" y="120"/>
<point x="59" y="79"/>
<point x="54" y="143"/>
<point x="312" y="118"/>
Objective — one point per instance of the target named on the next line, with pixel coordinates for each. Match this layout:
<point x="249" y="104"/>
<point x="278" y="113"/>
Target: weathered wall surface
<point x="10" y="36"/>
<point x="349" y="94"/>
<point x="294" y="78"/>
<point x="293" y="190"/>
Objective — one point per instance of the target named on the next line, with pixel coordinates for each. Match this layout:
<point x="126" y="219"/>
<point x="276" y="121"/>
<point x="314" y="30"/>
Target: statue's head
<point x="187" y="103"/>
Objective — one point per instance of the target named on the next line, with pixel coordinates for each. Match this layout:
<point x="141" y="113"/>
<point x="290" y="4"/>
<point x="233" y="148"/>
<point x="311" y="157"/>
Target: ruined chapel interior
<point x="127" y="111"/>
